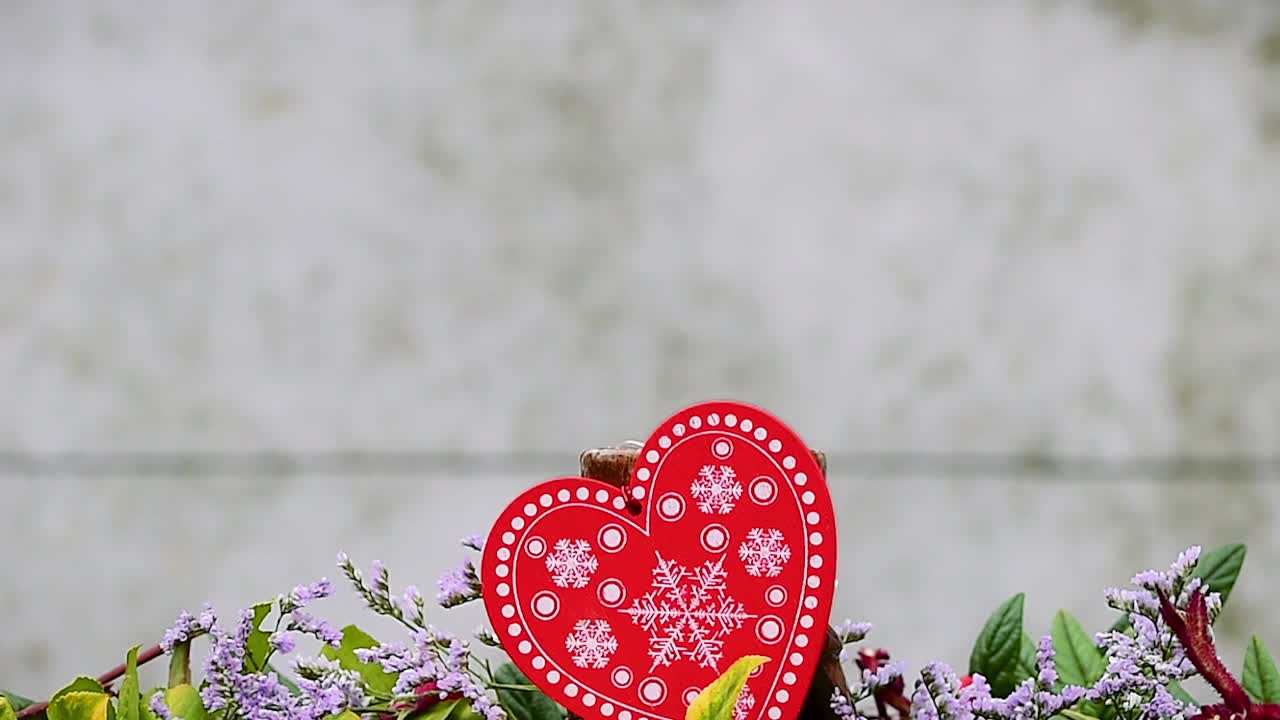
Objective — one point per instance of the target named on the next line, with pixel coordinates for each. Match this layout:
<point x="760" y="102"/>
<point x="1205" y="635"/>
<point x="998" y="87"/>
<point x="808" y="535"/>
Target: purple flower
<point x="308" y="625"/>
<point x="1047" y="675"/>
<point x="841" y="706"/>
<point x="304" y="595"/>
<point x="475" y="542"/>
<point x="160" y="707"/>
<point x="187" y="627"/>
<point x="459" y="586"/>
<point x="282" y="642"/>
<point x="852" y="632"/>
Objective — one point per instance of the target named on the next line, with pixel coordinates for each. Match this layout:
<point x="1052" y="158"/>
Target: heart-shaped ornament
<point x="625" y="611"/>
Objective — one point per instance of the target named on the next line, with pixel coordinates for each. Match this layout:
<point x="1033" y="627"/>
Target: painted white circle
<point x="815" y="561"/>
<point x="546" y="605"/>
<point x="763" y="490"/>
<point x="782" y="696"/>
<point x="624" y="715"/>
<point x="517" y="523"/>
<point x="571" y="690"/>
<point x="501" y="571"/>
<point x="807" y="497"/>
<point x="806" y="621"/>
<point x="503" y="589"/>
<point x="611" y="592"/>
<point x="538" y="662"/>
<point x="761" y="433"/>
<point x="530" y="509"/>
<point x="671" y="507"/>
<point x="637" y="492"/>
<point x="789" y="678"/>
<point x="678" y="430"/>
<point x="588" y="699"/>
<point x="535" y="547"/>
<point x="713" y="419"/>
<point x="721" y="448"/>
<point x="514" y="629"/>
<point x="695" y="422"/>
<point x="788" y="462"/>
<point x="619" y="502"/>
<point x="652" y="690"/>
<point x="612" y="538"/>
<point x="606" y="709"/>
<point x="651" y="456"/>
<point x="814" y="581"/>
<point x="769" y="629"/>
<point x="811" y="602"/>
<point x="553" y="676"/>
<point x="525" y="647"/>
<point x="545" y="500"/>
<point x="715" y="538"/>
<point x="775" y="713"/>
<point x="508" y="537"/>
<point x="563" y="495"/>
<point x="797" y="659"/>
<point x="730" y="420"/>
<point x="504" y="554"/>
<point x="664" y="442"/>
<point x="746" y="425"/>
<point x="801" y="478"/>
<point x="815" y="538"/>
<point x="583" y="493"/>
<point x="775" y="445"/>
<point x="802" y="640"/>
<point x="621" y="676"/>
<point x="776" y="595"/>
<point x="602" y="496"/>
<point x="508" y="611"/>
<point x="642" y="474"/>
<point x="811" y="518"/>
<point x="690" y="695"/>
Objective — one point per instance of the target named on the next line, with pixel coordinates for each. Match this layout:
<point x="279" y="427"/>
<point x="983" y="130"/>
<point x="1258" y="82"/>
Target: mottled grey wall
<point x="1031" y="230"/>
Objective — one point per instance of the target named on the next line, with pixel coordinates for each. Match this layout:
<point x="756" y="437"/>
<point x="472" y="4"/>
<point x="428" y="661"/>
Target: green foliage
<point x="184" y="702"/>
<point x="180" y="664"/>
<point x="353" y="638"/>
<point x="6" y="710"/>
<point x="259" y="647"/>
<point x="1261" y="678"/>
<point x="80" y="705"/>
<point x="16" y="701"/>
<point x="1219" y="568"/>
<point x="129" y="705"/>
<point x="80" y="684"/>
<point x="1078" y="660"/>
<point x="717" y="700"/>
<point x="529" y="704"/>
<point x="999" y="653"/>
<point x="1077" y="715"/>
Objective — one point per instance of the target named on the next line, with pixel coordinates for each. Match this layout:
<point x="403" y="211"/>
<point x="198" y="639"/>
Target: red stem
<point x="114" y="673"/>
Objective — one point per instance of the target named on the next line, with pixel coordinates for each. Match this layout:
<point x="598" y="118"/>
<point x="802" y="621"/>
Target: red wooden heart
<point x="627" y="615"/>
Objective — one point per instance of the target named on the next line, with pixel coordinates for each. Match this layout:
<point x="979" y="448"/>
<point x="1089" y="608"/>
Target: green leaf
<point x="439" y="711"/>
<point x="258" y="646"/>
<point x="524" y="704"/>
<point x="6" y="710"/>
<point x="1026" y="667"/>
<point x="462" y="711"/>
<point x="1079" y="661"/>
<point x="129" y="705"/>
<point x="1220" y="567"/>
<point x="1261" y="678"/>
<point x="146" y="703"/>
<point x="996" y="653"/>
<point x="184" y="702"/>
<point x="80" y="705"/>
<point x="180" y="664"/>
<point x="1077" y="715"/>
<point x="285" y="680"/>
<point x="16" y="701"/>
<point x="80" y="684"/>
<point x="353" y="638"/>
<point x="717" y="700"/>
<point x="1175" y="689"/>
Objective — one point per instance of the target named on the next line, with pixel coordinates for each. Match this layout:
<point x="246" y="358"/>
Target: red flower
<point x="890" y="695"/>
<point x="427" y="697"/>
<point x="1193" y="633"/>
<point x="966" y="681"/>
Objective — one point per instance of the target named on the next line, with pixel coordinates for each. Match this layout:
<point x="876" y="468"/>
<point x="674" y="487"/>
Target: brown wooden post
<point x="614" y="464"/>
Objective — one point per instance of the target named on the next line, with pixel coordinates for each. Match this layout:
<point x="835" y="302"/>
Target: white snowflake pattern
<point x="688" y="613"/>
<point x="764" y="553"/>
<point x="592" y="643"/>
<point x="571" y="563"/>
<point x="746" y="701"/>
<point x="716" y="489"/>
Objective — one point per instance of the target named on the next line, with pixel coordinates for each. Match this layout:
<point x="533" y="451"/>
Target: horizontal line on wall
<point x="271" y="463"/>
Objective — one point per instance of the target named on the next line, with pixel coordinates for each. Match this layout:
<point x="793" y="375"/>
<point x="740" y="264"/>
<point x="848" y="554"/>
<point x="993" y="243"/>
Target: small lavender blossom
<point x="842" y="707"/>
<point x="186" y="627"/>
<point x="486" y="637"/>
<point x="883" y="676"/>
<point x="161" y="708"/>
<point x="459" y="586"/>
<point x="282" y="642"/>
<point x="475" y="542"/>
<point x="1047" y="669"/>
<point x="852" y="632"/>
<point x="306" y="624"/>
<point x="304" y="595"/>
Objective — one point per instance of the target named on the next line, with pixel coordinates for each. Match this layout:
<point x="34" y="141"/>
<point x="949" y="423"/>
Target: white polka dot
<point x="619" y="502"/>
<point x="504" y="554"/>
<point x="571" y="690"/>
<point x="789" y="678"/>
<point x="788" y="462"/>
<point x="546" y="605"/>
<point x="775" y="595"/>
<point x="535" y="547"/>
<point x="653" y="691"/>
<point x="553" y="676"/>
<point x="811" y="518"/>
<point x="545" y="500"/>
<point x="807" y="497"/>
<point x="763" y="490"/>
<point x="695" y="422"/>
<point x="514" y="629"/>
<point x="746" y="425"/>
<point x="611" y="592"/>
<point x="538" y="662"/>
<point x="769" y="629"/>
<point x="664" y="442"/>
<point x="761" y="433"/>
<point x="637" y="492"/>
<point x="501" y="571"/>
<point x="775" y="445"/>
<point x="814" y="581"/>
<point x="806" y="621"/>
<point x="621" y="677"/>
<point x="504" y="590"/>
<point x="612" y="538"/>
<point x="526" y="647"/>
<point x="811" y="602"/>
<point x="722" y="448"/>
<point x="671" y="507"/>
<point x="714" y="538"/>
<point x="517" y="523"/>
<point x="602" y="496"/>
<point x="775" y="713"/>
<point x="678" y="430"/>
<point x="815" y="538"/>
<point x="801" y="478"/>
<point x="802" y="640"/>
<point x="782" y="696"/>
<point x="530" y="510"/>
<point x="508" y="537"/>
<point x="588" y="699"/>
<point x="713" y="419"/>
<point x="642" y="474"/>
<point x="651" y="456"/>
<point x="797" y="659"/>
<point x="624" y="715"/>
<point x="583" y="493"/>
<point x="606" y="709"/>
<point x="730" y="420"/>
<point x="815" y="561"/>
<point x="508" y="611"/>
<point x="563" y="496"/>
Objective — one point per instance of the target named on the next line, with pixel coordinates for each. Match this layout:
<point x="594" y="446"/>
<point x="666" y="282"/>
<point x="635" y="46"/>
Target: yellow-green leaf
<point x="184" y="702"/>
<point x="717" y="700"/>
<point x="129" y="706"/>
<point x="80" y="684"/>
<point x="1076" y="715"/>
<point x="353" y="638"/>
<point x="6" y="710"/>
<point x="80" y="705"/>
<point x="258" y="645"/>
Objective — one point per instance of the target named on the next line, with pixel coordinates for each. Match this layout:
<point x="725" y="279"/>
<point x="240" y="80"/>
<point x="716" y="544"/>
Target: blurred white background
<point x="1030" y="251"/>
